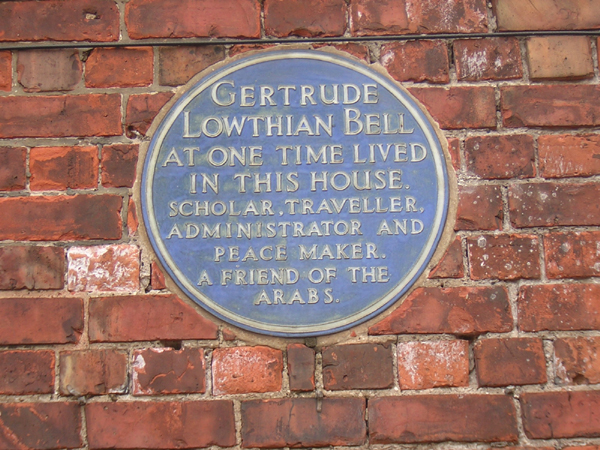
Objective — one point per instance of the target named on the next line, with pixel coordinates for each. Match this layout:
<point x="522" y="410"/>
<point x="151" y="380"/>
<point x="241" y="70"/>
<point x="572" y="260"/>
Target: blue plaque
<point x="294" y="193"/>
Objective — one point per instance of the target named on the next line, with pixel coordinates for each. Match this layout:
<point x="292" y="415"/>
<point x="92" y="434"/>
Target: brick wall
<point x="498" y="347"/>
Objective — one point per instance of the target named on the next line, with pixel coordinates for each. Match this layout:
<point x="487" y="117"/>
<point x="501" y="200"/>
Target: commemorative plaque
<point x="294" y="193"/>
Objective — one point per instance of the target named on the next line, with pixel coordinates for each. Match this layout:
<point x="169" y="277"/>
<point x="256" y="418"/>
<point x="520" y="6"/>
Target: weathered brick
<point x="32" y="268"/>
<point x="417" y="16"/>
<point x="451" y="264"/>
<point x="43" y="426"/>
<point x="146" y="318"/>
<point x="93" y="372"/>
<point x="550" y="204"/>
<point x="241" y="370"/>
<point x="12" y="168"/>
<point x="437" y="418"/>
<point x="459" y="107"/>
<point x="424" y="365"/>
<point x="488" y="59"/>
<point x="66" y="218"/>
<point x="5" y="71"/>
<point x="132" y="219"/>
<point x="301" y="367"/>
<point x="26" y="372"/>
<point x="479" y="208"/>
<point x="504" y="257"/>
<point x="157" y="278"/>
<point x="141" y="111"/>
<point x="40" y="320"/>
<point x="417" y="61"/>
<point x="104" y="268"/>
<point x="60" y="116"/>
<point x="168" y="371"/>
<point x="559" y="57"/>
<point x="576" y="360"/>
<point x="550" y="105"/>
<point x="569" y="155"/>
<point x="60" y="168"/>
<point x="298" y="18"/>
<point x="119" y="67"/>
<point x="49" y="69"/>
<point x="239" y="49"/>
<point x="561" y="307"/>
<point x="133" y="425"/>
<point x="180" y="63"/>
<point x="358" y="366"/>
<point x="454" y="150"/>
<point x="546" y="15"/>
<point x="552" y="415"/>
<point x="461" y="311"/>
<point x="572" y="254"/>
<point x="500" y="157"/>
<point x="296" y="422"/>
<point x="357" y="50"/>
<point x="521" y="361"/>
<point x="119" y="163"/>
<point x="192" y="18"/>
<point x="56" y="20"/>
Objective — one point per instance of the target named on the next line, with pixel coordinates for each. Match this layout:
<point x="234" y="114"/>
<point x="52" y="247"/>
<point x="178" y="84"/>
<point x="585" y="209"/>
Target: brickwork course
<point x="497" y="347"/>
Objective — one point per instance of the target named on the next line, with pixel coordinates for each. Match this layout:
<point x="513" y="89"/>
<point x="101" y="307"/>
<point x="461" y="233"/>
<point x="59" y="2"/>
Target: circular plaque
<point x="294" y="193"/>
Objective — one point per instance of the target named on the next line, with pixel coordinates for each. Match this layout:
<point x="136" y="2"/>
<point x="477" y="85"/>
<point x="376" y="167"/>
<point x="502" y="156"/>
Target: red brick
<point x="572" y="254"/>
<point x="488" y="59"/>
<point x="93" y="372"/>
<point x="451" y="264"/>
<point x="60" y="116"/>
<point x="461" y="311"/>
<point x="119" y="67"/>
<point x="552" y="415"/>
<point x="417" y="16"/>
<point x="160" y="425"/>
<point x="60" y="168"/>
<point x="546" y="15"/>
<point x="228" y="335"/>
<point x="569" y="156"/>
<point x="550" y="105"/>
<point x="479" y="208"/>
<point x="179" y="64"/>
<point x="504" y="257"/>
<point x="417" y="61"/>
<point x="192" y="18"/>
<point x="585" y="447"/>
<point x="26" y="372"/>
<point x="241" y="370"/>
<point x="146" y="318"/>
<point x="55" y="20"/>
<point x="32" y="267"/>
<point x="141" y="111"/>
<point x="559" y="307"/>
<point x="459" y="107"/>
<point x="550" y="204"/>
<point x="43" y="426"/>
<point x="5" y="71"/>
<point x="500" y="157"/>
<point x="132" y="219"/>
<point x="521" y="361"/>
<point x="301" y="367"/>
<point x="40" y="320"/>
<point x="239" y="49"/>
<point x="424" y="365"/>
<point x="49" y="69"/>
<point x="358" y="366"/>
<point x="296" y="422"/>
<point x="357" y="50"/>
<point x="438" y="418"/>
<point x="157" y="278"/>
<point x="299" y="18"/>
<point x="168" y="371"/>
<point x="559" y="57"/>
<point x="454" y="150"/>
<point x="576" y="360"/>
<point x="119" y="163"/>
<point x="12" y="168"/>
<point x="65" y="218"/>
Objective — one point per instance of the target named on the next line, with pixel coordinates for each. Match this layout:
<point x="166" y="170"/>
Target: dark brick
<point x="307" y="19"/>
<point x="500" y="157"/>
<point x="451" y="264"/>
<point x="417" y="61"/>
<point x="93" y="372"/>
<point x="301" y="367"/>
<point x="32" y="267"/>
<point x="26" y="372"/>
<point x="12" y="168"/>
<point x="296" y="422"/>
<point x="49" y="69"/>
<point x="119" y="162"/>
<point x="358" y="366"/>
<point x="572" y="254"/>
<point x="180" y="63"/>
<point x="479" y="208"/>
<point x="488" y="59"/>
<point x="141" y="111"/>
